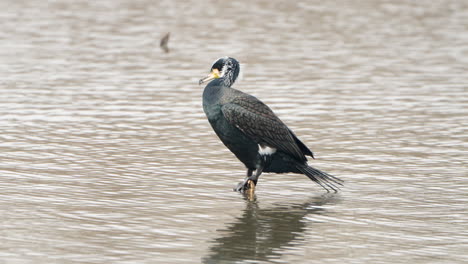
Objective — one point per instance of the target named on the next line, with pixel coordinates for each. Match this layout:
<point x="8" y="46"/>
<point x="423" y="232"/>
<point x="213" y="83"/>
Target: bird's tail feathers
<point x="324" y="179"/>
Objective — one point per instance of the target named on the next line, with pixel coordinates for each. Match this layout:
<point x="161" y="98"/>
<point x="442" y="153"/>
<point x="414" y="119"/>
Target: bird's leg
<point x="265" y="161"/>
<point x="258" y="172"/>
<point x="251" y="180"/>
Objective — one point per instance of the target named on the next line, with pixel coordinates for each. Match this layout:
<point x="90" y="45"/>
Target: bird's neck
<point x="226" y="81"/>
<point x="213" y="92"/>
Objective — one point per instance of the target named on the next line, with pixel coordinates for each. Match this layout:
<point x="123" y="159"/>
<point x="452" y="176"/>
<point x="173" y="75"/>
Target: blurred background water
<point x="106" y="155"/>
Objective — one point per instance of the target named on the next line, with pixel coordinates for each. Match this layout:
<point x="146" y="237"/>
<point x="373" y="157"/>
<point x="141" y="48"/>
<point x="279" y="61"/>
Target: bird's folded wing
<point x="257" y="121"/>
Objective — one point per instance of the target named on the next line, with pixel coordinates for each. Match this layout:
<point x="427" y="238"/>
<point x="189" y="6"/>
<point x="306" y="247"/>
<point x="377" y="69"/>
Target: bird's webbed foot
<point x="246" y="185"/>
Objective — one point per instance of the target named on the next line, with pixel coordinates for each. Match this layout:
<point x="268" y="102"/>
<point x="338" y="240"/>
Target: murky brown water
<point x="106" y="155"/>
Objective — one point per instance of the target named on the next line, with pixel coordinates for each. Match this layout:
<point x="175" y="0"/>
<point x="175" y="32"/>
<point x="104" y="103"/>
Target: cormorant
<point x="251" y="130"/>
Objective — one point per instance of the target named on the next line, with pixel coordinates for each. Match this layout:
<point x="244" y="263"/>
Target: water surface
<point x="106" y="155"/>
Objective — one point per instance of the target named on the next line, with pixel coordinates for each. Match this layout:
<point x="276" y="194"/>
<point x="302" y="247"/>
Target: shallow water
<point x="106" y="155"/>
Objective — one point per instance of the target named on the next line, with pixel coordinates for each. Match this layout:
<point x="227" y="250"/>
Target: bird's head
<point x="226" y="68"/>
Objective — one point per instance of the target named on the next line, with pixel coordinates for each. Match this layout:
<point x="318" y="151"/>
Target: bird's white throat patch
<point x="266" y="150"/>
<point x="223" y="71"/>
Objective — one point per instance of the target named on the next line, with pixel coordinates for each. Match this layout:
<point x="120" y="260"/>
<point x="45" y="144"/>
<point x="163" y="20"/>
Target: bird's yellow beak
<point x="214" y="74"/>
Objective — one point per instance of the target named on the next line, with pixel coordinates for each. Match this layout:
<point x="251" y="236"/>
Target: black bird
<point x="251" y="130"/>
<point x="164" y="41"/>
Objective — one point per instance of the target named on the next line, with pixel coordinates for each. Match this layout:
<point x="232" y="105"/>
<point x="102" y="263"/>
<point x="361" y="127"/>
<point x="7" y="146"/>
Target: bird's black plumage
<point x="251" y="130"/>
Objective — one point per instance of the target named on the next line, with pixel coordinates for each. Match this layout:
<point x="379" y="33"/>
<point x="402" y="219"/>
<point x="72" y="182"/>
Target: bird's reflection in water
<point x="259" y="233"/>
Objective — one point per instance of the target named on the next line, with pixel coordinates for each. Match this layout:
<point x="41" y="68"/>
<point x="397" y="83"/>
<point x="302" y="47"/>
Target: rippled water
<point x="106" y="156"/>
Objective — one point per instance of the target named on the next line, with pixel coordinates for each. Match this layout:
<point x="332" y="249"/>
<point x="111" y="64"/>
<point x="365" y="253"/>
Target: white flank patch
<point x="266" y="150"/>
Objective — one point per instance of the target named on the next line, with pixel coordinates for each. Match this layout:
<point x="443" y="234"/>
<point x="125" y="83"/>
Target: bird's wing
<point x="257" y="121"/>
